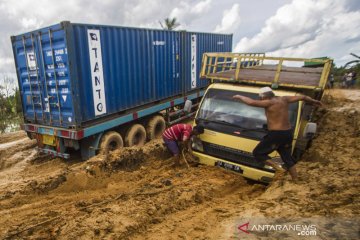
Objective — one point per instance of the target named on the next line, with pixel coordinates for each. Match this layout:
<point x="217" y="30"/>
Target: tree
<point x="5" y="104"/>
<point x="18" y="106"/>
<point x="8" y="85"/>
<point x="170" y="24"/>
<point x="10" y="103"/>
<point x="4" y="107"/>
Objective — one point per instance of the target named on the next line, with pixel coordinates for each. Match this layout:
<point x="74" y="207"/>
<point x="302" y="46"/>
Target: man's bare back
<point x="277" y="114"/>
<point x="277" y="109"/>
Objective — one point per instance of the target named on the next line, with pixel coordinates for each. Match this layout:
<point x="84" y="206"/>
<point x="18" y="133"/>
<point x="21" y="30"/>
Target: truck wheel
<point x="155" y="127"/>
<point x="110" y="141"/>
<point x="135" y="136"/>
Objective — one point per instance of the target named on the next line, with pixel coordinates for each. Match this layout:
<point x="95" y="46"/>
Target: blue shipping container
<point x="76" y="75"/>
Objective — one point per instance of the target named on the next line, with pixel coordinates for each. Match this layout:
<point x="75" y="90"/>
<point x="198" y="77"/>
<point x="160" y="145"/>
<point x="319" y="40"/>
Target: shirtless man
<point x="280" y="135"/>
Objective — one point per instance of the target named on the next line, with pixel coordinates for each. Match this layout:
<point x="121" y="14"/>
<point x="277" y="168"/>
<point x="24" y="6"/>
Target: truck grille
<point x="233" y="155"/>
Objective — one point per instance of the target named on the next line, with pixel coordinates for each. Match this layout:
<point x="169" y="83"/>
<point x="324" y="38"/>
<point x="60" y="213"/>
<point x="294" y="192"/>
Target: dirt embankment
<point x="136" y="193"/>
<point x="10" y="137"/>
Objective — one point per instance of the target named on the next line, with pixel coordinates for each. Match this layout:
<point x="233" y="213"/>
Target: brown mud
<point x="9" y="137"/>
<point x="137" y="193"/>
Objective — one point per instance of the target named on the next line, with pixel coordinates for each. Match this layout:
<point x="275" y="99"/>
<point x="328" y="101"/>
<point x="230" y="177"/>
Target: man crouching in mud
<point x="279" y="136"/>
<point x="180" y="133"/>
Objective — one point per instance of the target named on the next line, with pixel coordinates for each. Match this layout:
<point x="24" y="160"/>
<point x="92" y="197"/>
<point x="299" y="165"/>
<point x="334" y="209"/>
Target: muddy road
<point x="137" y="193"/>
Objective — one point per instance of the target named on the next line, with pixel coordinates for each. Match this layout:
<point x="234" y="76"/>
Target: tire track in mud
<point x="10" y="137"/>
<point x="13" y="152"/>
<point x="10" y="144"/>
<point x="11" y="168"/>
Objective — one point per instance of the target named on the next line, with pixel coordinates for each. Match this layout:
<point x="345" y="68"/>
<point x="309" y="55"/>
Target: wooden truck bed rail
<point x="258" y="69"/>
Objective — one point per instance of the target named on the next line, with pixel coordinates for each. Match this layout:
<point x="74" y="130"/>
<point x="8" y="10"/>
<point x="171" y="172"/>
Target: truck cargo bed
<point x="266" y="74"/>
<point x="256" y="68"/>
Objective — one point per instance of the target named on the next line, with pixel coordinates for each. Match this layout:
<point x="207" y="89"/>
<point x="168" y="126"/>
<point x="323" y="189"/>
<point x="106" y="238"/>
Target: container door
<point x="195" y="45"/>
<point x="30" y="85"/>
<point x="44" y="81"/>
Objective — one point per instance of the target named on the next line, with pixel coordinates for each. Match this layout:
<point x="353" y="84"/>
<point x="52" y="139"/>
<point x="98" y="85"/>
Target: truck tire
<point x="135" y="136"/>
<point x="110" y="141"/>
<point x="155" y="127"/>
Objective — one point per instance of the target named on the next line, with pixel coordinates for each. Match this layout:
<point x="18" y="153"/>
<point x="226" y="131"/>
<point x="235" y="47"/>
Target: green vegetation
<point x="10" y="105"/>
<point x="340" y="71"/>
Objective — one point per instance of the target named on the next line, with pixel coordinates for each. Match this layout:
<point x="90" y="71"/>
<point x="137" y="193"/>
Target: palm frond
<point x="351" y="62"/>
<point x="353" y="54"/>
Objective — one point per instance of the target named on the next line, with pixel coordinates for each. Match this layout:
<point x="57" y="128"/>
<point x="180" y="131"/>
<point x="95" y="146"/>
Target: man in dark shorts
<point x="280" y="134"/>
<point x="177" y="133"/>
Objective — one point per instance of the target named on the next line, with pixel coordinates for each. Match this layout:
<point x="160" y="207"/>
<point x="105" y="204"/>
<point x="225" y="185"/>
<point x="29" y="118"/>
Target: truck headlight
<point x="197" y="144"/>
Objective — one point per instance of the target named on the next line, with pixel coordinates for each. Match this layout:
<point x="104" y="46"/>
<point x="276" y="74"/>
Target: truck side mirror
<point x="310" y="130"/>
<point x="187" y="106"/>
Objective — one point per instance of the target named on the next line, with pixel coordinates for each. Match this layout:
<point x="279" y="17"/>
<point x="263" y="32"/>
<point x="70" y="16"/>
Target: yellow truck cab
<point x="232" y="128"/>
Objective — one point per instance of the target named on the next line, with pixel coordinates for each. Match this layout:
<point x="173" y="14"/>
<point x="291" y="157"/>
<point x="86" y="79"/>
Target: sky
<point x="289" y="28"/>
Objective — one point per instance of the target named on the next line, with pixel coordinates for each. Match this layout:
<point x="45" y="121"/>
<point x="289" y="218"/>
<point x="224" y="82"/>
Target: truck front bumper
<point x="245" y="171"/>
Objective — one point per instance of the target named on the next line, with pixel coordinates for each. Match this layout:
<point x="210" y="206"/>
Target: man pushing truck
<point x="253" y="136"/>
<point x="279" y="136"/>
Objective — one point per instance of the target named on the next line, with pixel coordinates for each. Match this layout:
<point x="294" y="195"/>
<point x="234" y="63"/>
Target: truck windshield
<point x="219" y="107"/>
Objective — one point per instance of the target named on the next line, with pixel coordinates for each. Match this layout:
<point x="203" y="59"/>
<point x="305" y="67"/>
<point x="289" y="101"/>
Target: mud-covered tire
<point x="135" y="136"/>
<point x="155" y="127"/>
<point x="110" y="141"/>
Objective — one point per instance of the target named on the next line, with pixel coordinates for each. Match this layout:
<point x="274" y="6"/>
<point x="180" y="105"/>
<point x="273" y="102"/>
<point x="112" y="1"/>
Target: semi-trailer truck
<point x="97" y="88"/>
